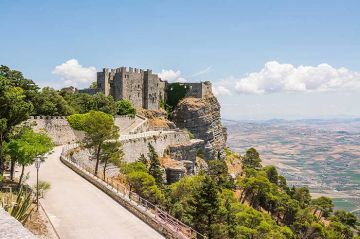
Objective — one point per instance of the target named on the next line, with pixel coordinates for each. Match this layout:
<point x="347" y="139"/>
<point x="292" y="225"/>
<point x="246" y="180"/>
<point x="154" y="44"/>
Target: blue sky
<point x="252" y="51"/>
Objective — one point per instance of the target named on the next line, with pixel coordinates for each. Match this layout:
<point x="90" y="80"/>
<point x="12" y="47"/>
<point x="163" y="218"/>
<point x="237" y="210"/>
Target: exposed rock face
<point x="201" y="116"/>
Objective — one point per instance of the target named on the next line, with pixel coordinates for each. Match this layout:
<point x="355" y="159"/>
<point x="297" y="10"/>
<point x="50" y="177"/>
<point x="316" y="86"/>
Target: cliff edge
<point x="201" y="116"/>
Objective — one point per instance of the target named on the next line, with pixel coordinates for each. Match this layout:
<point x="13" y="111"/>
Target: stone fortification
<point x="143" y="88"/>
<point x="57" y="128"/>
<point x="201" y="116"/>
<point x="134" y="136"/>
<point x="137" y="144"/>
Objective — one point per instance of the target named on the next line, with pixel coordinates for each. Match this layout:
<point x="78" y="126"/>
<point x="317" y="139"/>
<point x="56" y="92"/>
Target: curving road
<point x="78" y="209"/>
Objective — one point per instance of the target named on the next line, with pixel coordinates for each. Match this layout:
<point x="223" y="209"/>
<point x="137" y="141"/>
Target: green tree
<point x="125" y="107"/>
<point x="16" y="79"/>
<point x="14" y="110"/>
<point x="338" y="230"/>
<point x="50" y="102"/>
<point x="99" y="127"/>
<point x="206" y="208"/>
<point x="302" y="195"/>
<point x="181" y="197"/>
<point x="346" y="218"/>
<point x="251" y="159"/>
<point x="143" y="159"/>
<point x="306" y="225"/>
<point x="155" y="167"/>
<point x="141" y="182"/>
<point x="27" y="147"/>
<point x="133" y="167"/>
<point x="103" y="103"/>
<point x="111" y="152"/>
<point x="272" y="174"/>
<point x="145" y="186"/>
<point x="218" y="170"/>
<point x="323" y="205"/>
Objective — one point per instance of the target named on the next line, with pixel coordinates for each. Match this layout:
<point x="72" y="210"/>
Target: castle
<point x="142" y="88"/>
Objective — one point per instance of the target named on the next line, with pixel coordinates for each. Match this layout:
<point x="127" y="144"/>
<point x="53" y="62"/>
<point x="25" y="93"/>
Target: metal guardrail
<point x="164" y="219"/>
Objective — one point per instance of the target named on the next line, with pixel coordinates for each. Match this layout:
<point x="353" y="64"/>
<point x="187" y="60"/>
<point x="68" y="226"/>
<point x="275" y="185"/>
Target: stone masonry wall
<point x="11" y="228"/>
<point x="143" y="88"/>
<point x="57" y="128"/>
<point x="137" y="144"/>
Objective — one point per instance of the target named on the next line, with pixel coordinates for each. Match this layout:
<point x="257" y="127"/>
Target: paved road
<point x="80" y="210"/>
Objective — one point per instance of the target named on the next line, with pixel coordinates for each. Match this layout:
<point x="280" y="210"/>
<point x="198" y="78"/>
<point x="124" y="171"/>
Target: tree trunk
<point x="105" y="165"/>
<point x="2" y="160"/>
<point x="22" y="174"/>
<point x="210" y="233"/>
<point x="97" y="159"/>
<point x="12" y="169"/>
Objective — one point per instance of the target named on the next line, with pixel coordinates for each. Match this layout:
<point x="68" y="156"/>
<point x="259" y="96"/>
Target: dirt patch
<point x="168" y="162"/>
<point x="39" y="225"/>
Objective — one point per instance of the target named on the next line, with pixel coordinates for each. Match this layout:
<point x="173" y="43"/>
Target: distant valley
<point x="323" y="155"/>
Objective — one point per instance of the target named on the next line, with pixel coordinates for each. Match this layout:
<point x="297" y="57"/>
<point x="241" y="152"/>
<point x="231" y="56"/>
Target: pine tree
<point x="155" y="168"/>
<point x="206" y="205"/>
<point x="143" y="159"/>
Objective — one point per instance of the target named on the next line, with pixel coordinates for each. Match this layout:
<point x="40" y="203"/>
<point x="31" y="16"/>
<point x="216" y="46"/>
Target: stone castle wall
<point x="143" y="88"/>
<point x="137" y="144"/>
<point x="57" y="128"/>
<point x="134" y="136"/>
<point x="199" y="90"/>
<point x="60" y="131"/>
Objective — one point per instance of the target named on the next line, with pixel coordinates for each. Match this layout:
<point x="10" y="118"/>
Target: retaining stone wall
<point x="12" y="228"/>
<point x="134" y="146"/>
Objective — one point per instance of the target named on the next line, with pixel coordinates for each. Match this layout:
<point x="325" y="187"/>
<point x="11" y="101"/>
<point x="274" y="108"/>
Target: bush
<point x="124" y="107"/>
<point x="43" y="188"/>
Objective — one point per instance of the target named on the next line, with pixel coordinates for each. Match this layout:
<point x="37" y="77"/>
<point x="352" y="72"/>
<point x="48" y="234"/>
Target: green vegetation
<point x="43" y="188"/>
<point x="21" y="97"/>
<point x="155" y="168"/>
<point x="142" y="183"/>
<point x="256" y="204"/>
<point x="175" y="92"/>
<point x="15" y="95"/>
<point x="99" y="130"/>
<point x="17" y="204"/>
<point x="25" y="147"/>
<point x="124" y="107"/>
<point x="111" y="152"/>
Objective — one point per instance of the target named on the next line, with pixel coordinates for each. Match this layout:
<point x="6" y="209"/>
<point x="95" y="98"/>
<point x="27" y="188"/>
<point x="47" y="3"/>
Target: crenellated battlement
<point x="124" y="69"/>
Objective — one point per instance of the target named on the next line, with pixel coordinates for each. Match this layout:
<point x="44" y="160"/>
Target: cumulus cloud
<point x="220" y="90"/>
<point x="72" y="73"/>
<point x="171" y="76"/>
<point x="276" y="77"/>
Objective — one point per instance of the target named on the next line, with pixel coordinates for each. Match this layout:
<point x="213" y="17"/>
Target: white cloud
<point x="202" y="72"/>
<point x="72" y="73"/>
<point x="220" y="90"/>
<point x="171" y="76"/>
<point x="276" y="77"/>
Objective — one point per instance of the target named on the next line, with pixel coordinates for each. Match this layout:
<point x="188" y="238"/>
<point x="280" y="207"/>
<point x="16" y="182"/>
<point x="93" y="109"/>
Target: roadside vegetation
<point x="257" y="203"/>
<point x="20" y="146"/>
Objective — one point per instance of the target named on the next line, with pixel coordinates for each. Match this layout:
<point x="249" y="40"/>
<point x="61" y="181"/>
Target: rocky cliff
<point x="201" y="116"/>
